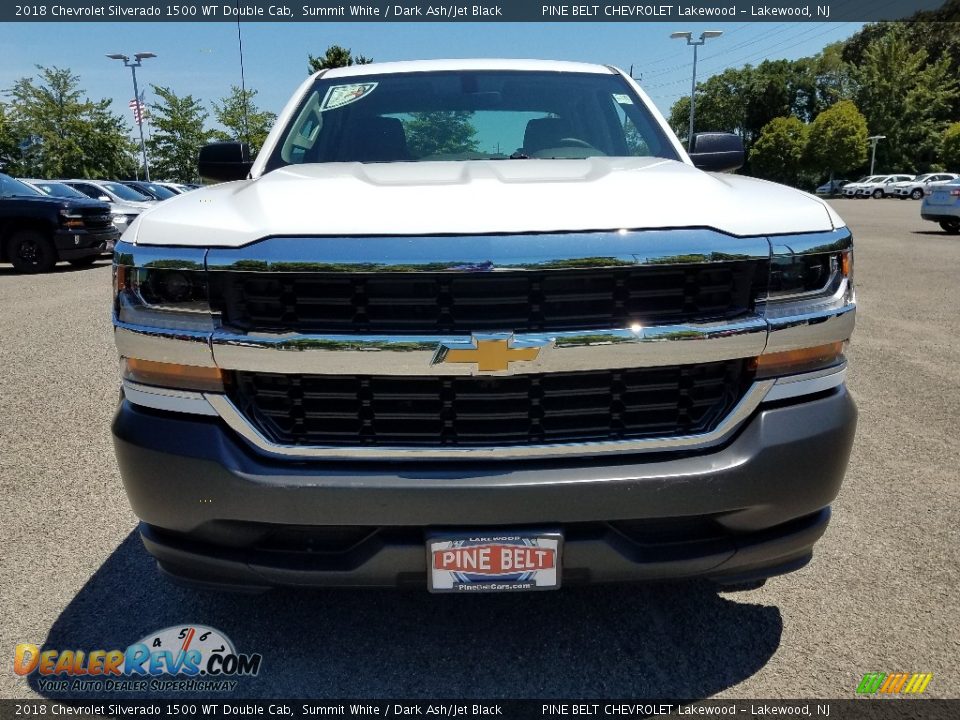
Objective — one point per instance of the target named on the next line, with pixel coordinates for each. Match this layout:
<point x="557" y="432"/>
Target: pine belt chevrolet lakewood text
<point x="482" y="325"/>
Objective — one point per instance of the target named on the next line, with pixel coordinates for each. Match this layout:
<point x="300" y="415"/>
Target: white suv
<point x="921" y="185"/>
<point x="850" y="189"/>
<point x="881" y="186"/>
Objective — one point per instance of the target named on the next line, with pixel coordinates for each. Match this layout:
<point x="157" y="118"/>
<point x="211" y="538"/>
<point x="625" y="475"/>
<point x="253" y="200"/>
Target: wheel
<point x="951" y="226"/>
<point x="83" y="261"/>
<point x="917" y="193"/>
<point x="30" y="251"/>
<point x="877" y="194"/>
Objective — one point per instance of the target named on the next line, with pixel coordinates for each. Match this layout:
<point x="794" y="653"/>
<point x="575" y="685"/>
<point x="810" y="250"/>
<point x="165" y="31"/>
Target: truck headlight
<point x="174" y="298"/>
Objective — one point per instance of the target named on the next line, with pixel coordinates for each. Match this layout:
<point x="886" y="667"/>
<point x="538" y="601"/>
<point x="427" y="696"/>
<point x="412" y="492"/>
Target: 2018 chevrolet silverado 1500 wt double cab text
<point x="482" y="325"/>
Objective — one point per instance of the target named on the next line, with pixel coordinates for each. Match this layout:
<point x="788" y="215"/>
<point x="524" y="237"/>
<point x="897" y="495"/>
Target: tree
<point x="65" y="134"/>
<point x="334" y="57"/>
<point x="907" y="98"/>
<point x="243" y="120"/>
<point x="951" y="148"/>
<point x="8" y="144"/>
<point x="440" y="132"/>
<point x="179" y="131"/>
<point x="779" y="151"/>
<point x="837" y="141"/>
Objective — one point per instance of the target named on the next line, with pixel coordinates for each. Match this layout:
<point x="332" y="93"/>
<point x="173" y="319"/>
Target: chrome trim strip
<point x="561" y="352"/>
<point x="818" y="327"/>
<point x="235" y="419"/>
<point x="806" y="243"/>
<point x="489" y="253"/>
<point x="171" y="257"/>
<point x="184" y="347"/>
<point x="166" y="399"/>
<point x="807" y="383"/>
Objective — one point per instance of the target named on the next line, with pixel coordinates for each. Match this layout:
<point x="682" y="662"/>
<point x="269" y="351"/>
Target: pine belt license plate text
<point x="493" y="562"/>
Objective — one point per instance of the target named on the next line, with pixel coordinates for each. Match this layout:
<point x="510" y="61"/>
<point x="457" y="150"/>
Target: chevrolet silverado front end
<point x="482" y="325"/>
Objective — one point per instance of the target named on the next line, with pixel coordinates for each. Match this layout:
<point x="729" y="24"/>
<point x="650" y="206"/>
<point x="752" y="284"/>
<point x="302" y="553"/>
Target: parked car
<point x="832" y="187"/>
<point x="850" y="189"/>
<point x="921" y="185"/>
<point x="555" y="357"/>
<point x="153" y="190"/>
<point x="179" y="188"/>
<point x="113" y="192"/>
<point x="881" y="186"/>
<point x="122" y="213"/>
<point x="942" y="205"/>
<point x="37" y="230"/>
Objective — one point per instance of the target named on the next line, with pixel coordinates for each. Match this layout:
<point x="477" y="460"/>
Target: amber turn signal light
<point x="796" y="361"/>
<point x="170" y="375"/>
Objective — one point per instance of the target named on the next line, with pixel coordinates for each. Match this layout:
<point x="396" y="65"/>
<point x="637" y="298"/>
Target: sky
<point x="202" y="59"/>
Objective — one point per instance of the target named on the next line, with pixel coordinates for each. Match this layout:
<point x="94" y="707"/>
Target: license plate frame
<point x="487" y="561"/>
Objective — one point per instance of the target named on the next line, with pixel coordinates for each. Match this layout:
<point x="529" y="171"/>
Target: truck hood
<point x="479" y="197"/>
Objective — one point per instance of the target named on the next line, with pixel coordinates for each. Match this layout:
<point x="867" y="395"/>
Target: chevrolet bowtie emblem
<point x="490" y="355"/>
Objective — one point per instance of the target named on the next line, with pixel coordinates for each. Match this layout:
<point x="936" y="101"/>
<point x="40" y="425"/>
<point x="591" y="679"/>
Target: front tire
<point x="877" y="194"/>
<point x="952" y="226"/>
<point x="30" y="251"/>
<point x="916" y="194"/>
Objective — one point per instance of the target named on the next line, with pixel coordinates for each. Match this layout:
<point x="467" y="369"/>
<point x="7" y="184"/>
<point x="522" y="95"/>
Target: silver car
<point x="942" y="206"/>
<point x="122" y="213"/>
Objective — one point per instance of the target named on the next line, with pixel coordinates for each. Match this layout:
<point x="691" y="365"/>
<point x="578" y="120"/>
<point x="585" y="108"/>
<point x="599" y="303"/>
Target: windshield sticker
<point x="340" y="95"/>
<point x="623" y="99"/>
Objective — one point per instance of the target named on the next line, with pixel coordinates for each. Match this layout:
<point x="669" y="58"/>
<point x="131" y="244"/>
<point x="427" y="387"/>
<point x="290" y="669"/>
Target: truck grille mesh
<point x="532" y="301"/>
<point x="476" y="410"/>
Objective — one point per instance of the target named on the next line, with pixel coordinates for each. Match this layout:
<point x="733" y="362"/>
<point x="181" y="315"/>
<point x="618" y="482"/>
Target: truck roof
<point x="407" y="66"/>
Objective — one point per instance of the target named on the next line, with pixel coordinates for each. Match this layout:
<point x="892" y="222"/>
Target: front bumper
<point x="212" y="511"/>
<point x="940" y="215"/>
<point x="73" y="244"/>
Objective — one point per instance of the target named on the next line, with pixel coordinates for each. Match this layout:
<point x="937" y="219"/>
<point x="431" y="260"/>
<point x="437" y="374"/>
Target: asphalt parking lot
<point x="880" y="595"/>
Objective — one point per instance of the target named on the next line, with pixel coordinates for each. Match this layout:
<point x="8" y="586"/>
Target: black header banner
<point x="477" y="11"/>
<point x="187" y="709"/>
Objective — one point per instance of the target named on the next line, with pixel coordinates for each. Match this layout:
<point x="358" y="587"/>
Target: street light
<point x="874" y="139"/>
<point x="688" y="36"/>
<point x="138" y="61"/>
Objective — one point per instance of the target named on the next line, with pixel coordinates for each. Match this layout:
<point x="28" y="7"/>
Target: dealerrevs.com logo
<point x="179" y="658"/>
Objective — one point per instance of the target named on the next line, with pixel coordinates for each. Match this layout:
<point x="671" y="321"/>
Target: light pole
<point x="688" y="36"/>
<point x="138" y="61"/>
<point x="874" y="139"/>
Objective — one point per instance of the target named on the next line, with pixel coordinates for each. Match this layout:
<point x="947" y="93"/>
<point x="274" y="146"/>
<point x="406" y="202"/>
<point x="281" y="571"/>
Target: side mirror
<point x="224" y="161"/>
<point x="717" y="151"/>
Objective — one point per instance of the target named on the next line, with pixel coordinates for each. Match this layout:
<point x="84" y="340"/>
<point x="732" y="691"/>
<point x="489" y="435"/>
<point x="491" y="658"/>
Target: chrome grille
<point x="534" y="301"/>
<point x="469" y="411"/>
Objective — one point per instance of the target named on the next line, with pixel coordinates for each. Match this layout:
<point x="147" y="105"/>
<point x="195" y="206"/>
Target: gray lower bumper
<point x="206" y="500"/>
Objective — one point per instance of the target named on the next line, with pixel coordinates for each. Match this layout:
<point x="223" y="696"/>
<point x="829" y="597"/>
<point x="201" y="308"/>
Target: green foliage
<point x="8" y="144"/>
<point x="951" y="148"/>
<point x="779" y="151"/>
<point x="179" y="131"/>
<point x="243" y="120"/>
<point x="334" y="57"/>
<point x="73" y="136"/>
<point x="440" y="132"/>
<point x="902" y="76"/>
<point x="837" y="141"/>
<point x="907" y="98"/>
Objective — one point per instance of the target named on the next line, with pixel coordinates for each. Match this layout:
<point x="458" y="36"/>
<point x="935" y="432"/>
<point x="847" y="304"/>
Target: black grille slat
<point x="529" y="301"/>
<point x="490" y="410"/>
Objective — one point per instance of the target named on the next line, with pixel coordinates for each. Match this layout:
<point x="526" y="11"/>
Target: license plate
<point x="494" y="562"/>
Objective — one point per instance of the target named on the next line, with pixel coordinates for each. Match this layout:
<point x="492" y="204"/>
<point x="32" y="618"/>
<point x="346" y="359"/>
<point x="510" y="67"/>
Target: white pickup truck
<point x="482" y="326"/>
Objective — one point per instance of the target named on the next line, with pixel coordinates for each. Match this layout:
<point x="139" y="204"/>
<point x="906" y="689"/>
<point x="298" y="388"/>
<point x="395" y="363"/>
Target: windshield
<point x="469" y="115"/>
<point x="55" y="189"/>
<point x="11" y="187"/>
<point x="125" y="193"/>
<point x="159" y="191"/>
